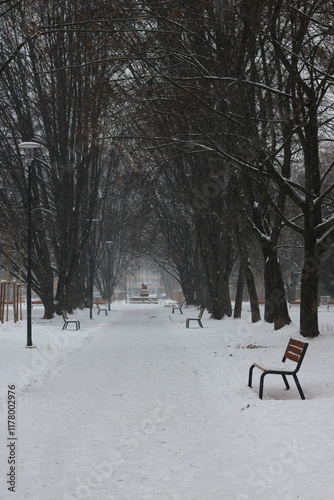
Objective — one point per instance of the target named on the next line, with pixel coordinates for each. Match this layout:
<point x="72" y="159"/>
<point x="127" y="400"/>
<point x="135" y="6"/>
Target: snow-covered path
<point x="115" y="410"/>
<point x="135" y="406"/>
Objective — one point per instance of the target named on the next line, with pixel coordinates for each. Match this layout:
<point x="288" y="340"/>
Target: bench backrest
<point x="295" y="351"/>
<point x="64" y="314"/>
<point x="201" y="311"/>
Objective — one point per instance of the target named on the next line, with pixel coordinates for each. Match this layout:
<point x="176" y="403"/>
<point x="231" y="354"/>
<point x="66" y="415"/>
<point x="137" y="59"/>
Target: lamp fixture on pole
<point x="29" y="149"/>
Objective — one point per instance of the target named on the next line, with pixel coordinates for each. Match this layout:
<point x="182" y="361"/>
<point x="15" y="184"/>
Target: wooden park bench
<point x="196" y="319"/>
<point x="295" y="352"/>
<point x="178" y="307"/>
<point x="67" y="321"/>
<point x="102" y="307"/>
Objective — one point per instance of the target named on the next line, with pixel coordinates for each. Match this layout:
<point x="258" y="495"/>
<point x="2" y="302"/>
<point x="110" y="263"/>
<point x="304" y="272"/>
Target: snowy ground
<point x="134" y="406"/>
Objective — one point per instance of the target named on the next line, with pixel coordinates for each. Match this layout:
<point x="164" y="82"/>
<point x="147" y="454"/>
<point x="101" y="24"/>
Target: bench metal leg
<point x="250" y="375"/>
<point x="193" y="319"/>
<point x="177" y="309"/>
<point x="284" y="378"/>
<point x="286" y="382"/>
<point x="261" y="385"/>
<point x="300" y="390"/>
<point x="77" y="324"/>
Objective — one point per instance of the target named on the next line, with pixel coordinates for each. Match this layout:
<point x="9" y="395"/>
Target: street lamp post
<point x="29" y="149"/>
<point x="109" y="244"/>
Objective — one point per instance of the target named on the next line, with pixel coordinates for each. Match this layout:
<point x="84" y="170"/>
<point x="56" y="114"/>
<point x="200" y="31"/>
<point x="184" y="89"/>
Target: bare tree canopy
<point x="219" y="113"/>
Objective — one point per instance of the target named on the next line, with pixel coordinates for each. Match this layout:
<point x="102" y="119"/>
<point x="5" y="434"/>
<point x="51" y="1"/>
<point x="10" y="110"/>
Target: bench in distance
<point x="101" y="307"/>
<point x="178" y="308"/>
<point x="67" y="321"/>
<point x="198" y="319"/>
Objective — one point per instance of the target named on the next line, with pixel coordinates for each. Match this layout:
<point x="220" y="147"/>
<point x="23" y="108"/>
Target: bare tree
<point x="257" y="118"/>
<point x="48" y="97"/>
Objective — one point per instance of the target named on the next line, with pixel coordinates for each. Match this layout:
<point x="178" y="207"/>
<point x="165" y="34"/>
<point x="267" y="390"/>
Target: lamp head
<point x="29" y="149"/>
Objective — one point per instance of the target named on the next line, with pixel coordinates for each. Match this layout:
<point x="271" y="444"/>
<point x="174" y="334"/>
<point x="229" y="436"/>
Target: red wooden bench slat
<point x="292" y="357"/>
<point x="298" y="343"/>
<point x="260" y="367"/>
<point x="294" y="350"/>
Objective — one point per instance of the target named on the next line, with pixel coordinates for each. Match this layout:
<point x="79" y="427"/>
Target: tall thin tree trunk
<point x="239" y="293"/>
<point x="253" y="298"/>
<point x="249" y="277"/>
<point x="309" y="292"/>
<point x="276" y="309"/>
<point x="312" y="220"/>
<point x="227" y="306"/>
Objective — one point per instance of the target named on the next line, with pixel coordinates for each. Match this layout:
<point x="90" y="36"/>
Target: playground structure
<point x="10" y="301"/>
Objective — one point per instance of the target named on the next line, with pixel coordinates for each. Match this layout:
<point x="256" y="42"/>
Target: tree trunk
<point x="227" y="306"/>
<point x="49" y="309"/>
<point x="188" y="285"/>
<point x="216" y="303"/>
<point x="312" y="220"/>
<point x="245" y="267"/>
<point x="276" y="309"/>
<point x="254" y="302"/>
<point x="239" y="293"/>
<point x="309" y="293"/>
<point x="215" y="265"/>
<point x="189" y="295"/>
<point x="45" y="292"/>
